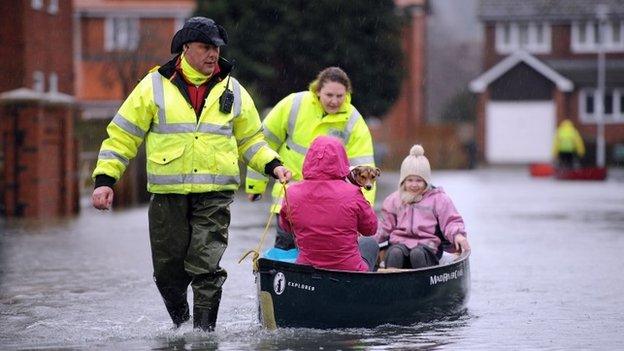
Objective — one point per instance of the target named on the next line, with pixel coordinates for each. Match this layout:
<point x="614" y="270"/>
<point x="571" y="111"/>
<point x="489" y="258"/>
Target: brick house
<point x="410" y="118"/>
<point x="116" y="42"/>
<point x="540" y="67"/>
<point x="38" y="151"/>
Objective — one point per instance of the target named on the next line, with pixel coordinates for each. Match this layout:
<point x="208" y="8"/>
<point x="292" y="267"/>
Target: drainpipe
<point x="601" y="14"/>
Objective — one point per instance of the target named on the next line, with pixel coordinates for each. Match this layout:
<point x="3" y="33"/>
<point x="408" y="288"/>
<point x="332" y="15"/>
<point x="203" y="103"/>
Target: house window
<point x="36" y="4"/>
<point x="53" y="7"/>
<point x="38" y="81"/>
<point x="608" y="103"/>
<point x="596" y="32"/>
<point x="589" y="103"/>
<point x="523" y="31"/>
<point x="540" y="34"/>
<point x="613" y="100"/>
<point x="121" y="34"/>
<point x="53" y="80"/>
<point x="533" y="37"/>
<point x="586" y="36"/>
<point x="616" y="32"/>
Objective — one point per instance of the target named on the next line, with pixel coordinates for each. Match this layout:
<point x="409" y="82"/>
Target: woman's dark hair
<point x="330" y="74"/>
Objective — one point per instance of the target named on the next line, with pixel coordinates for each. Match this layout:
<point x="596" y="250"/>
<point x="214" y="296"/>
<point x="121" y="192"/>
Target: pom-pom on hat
<point x="416" y="164"/>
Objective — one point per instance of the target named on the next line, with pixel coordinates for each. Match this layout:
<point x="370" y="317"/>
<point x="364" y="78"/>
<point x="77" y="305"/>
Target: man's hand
<point x="283" y="174"/>
<point x="254" y="197"/>
<point x="461" y="243"/>
<point x="102" y="198"/>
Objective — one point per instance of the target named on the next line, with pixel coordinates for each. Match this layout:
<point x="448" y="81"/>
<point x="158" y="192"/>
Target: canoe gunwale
<point x="293" y="267"/>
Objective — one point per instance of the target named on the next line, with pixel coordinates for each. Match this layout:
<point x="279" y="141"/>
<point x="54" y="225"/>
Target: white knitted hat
<point x="416" y="164"/>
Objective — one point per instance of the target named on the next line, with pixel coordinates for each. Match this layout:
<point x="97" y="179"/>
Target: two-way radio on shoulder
<point x="226" y="101"/>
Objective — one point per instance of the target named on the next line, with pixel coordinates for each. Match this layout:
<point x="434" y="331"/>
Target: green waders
<point x="188" y="235"/>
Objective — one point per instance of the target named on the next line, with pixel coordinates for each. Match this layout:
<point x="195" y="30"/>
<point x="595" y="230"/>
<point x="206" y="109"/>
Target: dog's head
<point x="364" y="176"/>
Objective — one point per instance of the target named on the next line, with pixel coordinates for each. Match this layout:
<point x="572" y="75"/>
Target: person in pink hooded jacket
<point x="417" y="216"/>
<point x="326" y="213"/>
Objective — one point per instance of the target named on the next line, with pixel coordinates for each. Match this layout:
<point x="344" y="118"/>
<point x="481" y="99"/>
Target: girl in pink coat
<point x="326" y="213"/>
<point x="412" y="215"/>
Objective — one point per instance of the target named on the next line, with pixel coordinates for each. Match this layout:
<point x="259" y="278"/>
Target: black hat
<point x="199" y="29"/>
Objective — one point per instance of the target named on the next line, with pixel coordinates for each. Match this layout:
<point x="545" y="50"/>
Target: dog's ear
<point x="377" y="171"/>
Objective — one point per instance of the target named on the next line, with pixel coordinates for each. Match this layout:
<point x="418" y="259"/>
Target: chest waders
<point x="188" y="235"/>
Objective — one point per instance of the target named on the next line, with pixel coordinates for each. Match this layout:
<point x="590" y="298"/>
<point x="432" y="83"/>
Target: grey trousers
<point x="400" y="256"/>
<point x="283" y="239"/>
<point x="369" y="249"/>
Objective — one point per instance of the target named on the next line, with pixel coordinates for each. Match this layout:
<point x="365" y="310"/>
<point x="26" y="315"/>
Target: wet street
<point x="545" y="267"/>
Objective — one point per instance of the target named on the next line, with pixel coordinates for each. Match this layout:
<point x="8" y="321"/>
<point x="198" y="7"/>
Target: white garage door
<point x="519" y="131"/>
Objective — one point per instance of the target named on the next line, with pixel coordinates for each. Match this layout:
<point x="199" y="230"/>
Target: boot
<point x="205" y="318"/>
<point x="178" y="313"/>
<point x="175" y="301"/>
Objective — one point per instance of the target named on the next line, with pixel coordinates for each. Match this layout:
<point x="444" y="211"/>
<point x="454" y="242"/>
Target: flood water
<point x="546" y="268"/>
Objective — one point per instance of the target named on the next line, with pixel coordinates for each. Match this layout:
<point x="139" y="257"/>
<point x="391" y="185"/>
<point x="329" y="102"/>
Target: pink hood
<point x="327" y="213"/>
<point x="326" y="159"/>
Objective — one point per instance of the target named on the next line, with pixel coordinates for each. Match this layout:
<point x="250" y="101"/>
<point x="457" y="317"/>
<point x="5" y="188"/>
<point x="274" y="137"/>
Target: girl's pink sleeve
<point x="451" y="222"/>
<point x="388" y="221"/>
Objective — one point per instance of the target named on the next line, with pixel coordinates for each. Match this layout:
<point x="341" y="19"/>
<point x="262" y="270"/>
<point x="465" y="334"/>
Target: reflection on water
<point x="544" y="268"/>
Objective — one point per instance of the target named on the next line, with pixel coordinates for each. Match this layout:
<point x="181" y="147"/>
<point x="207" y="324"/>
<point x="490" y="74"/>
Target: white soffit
<point x="479" y="84"/>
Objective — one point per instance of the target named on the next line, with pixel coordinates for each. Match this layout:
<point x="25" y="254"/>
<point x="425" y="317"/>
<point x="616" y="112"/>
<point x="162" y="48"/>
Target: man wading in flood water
<point x="195" y="120"/>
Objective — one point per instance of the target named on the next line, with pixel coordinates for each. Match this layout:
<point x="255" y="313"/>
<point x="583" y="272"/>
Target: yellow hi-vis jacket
<point x="295" y="122"/>
<point x="568" y="139"/>
<point x="185" y="154"/>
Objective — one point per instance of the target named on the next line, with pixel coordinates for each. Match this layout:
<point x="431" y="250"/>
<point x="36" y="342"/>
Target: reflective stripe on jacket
<point x="185" y="154"/>
<point x="295" y="122"/>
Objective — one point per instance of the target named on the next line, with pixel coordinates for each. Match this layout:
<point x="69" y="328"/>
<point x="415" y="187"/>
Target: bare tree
<point x="124" y="68"/>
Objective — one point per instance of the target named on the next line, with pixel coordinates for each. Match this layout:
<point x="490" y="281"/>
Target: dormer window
<point x="585" y="36"/>
<point x="533" y="37"/>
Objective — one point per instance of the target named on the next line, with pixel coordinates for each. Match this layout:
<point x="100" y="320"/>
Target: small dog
<point x="363" y="176"/>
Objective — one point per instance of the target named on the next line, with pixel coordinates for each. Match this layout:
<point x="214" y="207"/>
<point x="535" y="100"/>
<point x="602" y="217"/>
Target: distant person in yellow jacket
<point x="291" y="126"/>
<point x="568" y="146"/>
